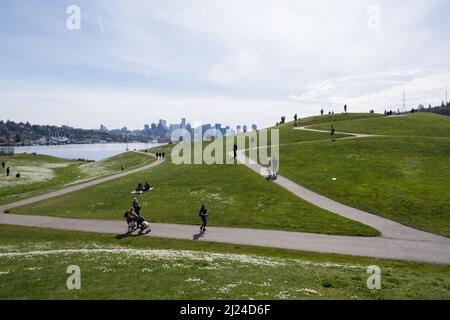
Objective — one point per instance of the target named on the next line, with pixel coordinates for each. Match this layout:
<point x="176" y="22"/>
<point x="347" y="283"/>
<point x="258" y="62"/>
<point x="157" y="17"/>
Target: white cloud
<point x="378" y="90"/>
<point x="213" y="60"/>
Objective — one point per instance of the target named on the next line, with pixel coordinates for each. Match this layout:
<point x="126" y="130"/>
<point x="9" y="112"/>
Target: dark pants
<point x="139" y="221"/>
<point x="204" y="222"/>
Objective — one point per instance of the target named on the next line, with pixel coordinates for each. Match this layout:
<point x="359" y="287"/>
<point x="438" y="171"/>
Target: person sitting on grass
<point x="139" y="188"/>
<point x="146" y="187"/>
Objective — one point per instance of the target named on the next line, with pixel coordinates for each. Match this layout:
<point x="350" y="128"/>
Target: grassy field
<point x="338" y="117"/>
<point x="129" y="160"/>
<point x="401" y="176"/>
<point x="417" y="124"/>
<point x="33" y="265"/>
<point x="403" y="179"/>
<point x="41" y="174"/>
<point x="234" y="195"/>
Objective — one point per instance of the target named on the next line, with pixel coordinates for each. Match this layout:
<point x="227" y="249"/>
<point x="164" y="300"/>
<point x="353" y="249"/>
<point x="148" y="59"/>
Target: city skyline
<point x="182" y="124"/>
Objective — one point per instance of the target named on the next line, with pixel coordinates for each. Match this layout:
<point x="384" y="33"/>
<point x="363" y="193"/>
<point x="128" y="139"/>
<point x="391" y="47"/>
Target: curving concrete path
<point x="396" y="242"/>
<point x="352" y="135"/>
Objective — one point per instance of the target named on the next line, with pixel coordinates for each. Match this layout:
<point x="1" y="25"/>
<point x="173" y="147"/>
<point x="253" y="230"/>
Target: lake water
<point x="95" y="152"/>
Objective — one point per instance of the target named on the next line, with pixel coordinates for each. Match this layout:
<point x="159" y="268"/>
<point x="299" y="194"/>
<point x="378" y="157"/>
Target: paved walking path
<point x="397" y="241"/>
<point x="426" y="251"/>
<point x="352" y="135"/>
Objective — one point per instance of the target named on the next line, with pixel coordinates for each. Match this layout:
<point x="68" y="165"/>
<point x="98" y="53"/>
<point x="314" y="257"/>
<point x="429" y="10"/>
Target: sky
<point x="231" y="62"/>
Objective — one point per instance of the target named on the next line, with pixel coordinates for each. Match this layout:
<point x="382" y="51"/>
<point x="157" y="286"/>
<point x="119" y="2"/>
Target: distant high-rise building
<point x="173" y="127"/>
<point x="190" y="130"/>
<point x="183" y="123"/>
<point x="163" y="124"/>
<point x="226" y="131"/>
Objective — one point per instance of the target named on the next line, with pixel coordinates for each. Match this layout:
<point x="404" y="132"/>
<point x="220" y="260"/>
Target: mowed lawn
<point x="405" y="179"/>
<point x="235" y="197"/>
<point x="34" y="262"/>
<point x="41" y="174"/>
<point x="338" y="117"/>
<point x="415" y="124"/>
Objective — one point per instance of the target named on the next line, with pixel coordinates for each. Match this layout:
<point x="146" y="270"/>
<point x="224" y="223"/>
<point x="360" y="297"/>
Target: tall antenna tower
<point x="446" y="101"/>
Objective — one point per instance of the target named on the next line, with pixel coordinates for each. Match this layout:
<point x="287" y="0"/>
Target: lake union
<point x="95" y="152"/>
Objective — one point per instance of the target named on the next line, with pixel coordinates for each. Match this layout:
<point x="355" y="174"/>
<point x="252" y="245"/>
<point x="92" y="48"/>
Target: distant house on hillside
<point x="6" y="150"/>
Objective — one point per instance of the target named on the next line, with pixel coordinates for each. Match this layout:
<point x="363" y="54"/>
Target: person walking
<point x="8" y="171"/>
<point x="332" y="131"/>
<point x="274" y="167"/>
<point x="235" y="147"/>
<point x="163" y="155"/>
<point x="321" y="112"/>
<point x="137" y="207"/>
<point x="203" y="213"/>
<point x="269" y="170"/>
<point x="3" y="165"/>
<point x="295" y="120"/>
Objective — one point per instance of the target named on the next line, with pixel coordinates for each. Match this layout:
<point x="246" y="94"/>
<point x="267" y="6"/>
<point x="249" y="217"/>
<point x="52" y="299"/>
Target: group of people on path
<point x="322" y="111"/>
<point x="297" y="118"/>
<point x="160" y="155"/>
<point x="133" y="216"/>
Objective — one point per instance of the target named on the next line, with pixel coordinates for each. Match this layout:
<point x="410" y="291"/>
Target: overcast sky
<point x="235" y="62"/>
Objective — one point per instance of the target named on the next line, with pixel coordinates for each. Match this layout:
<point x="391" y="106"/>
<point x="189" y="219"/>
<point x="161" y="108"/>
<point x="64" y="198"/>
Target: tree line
<point x="17" y="133"/>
